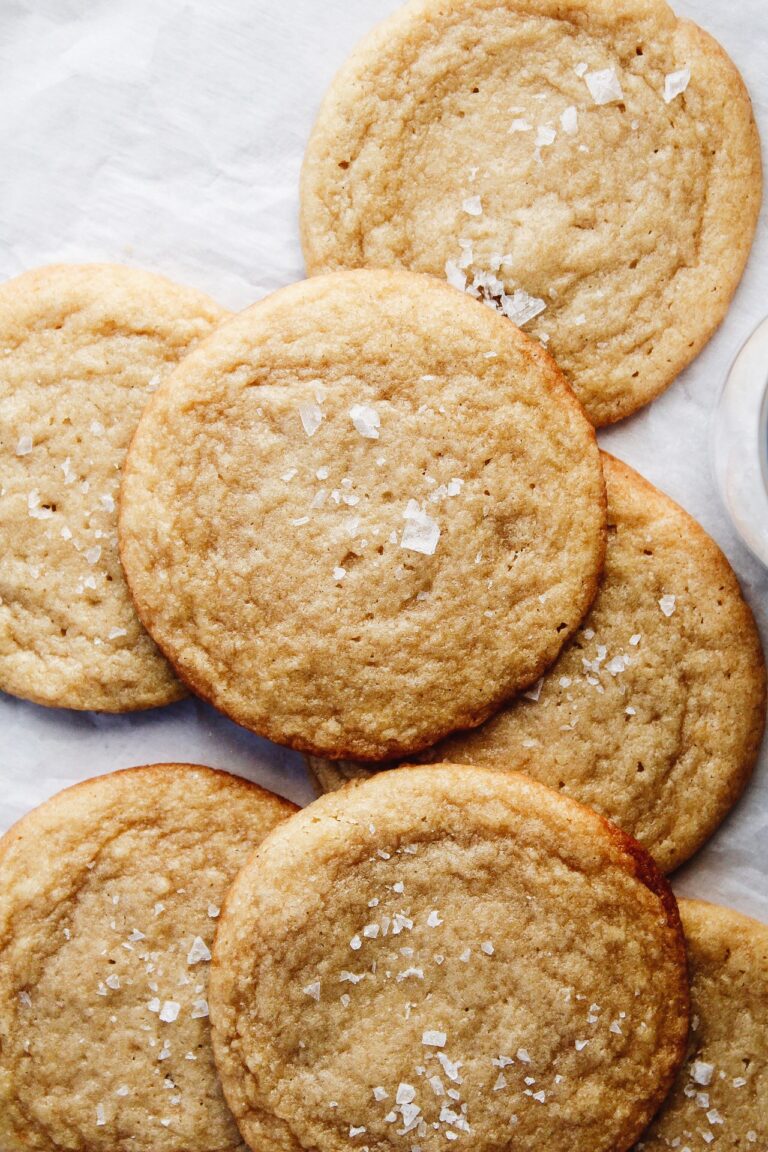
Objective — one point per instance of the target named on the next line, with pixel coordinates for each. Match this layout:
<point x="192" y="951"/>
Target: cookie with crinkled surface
<point x="445" y="954"/>
<point x="109" y="899"/>
<point x="590" y="168"/>
<point x="362" y="514"/>
<point x="720" y="1098"/>
<point x="654" y="714"/>
<point x="81" y="349"/>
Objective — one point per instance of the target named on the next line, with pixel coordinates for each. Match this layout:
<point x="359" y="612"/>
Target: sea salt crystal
<point x="355" y="943"/>
<point x="24" y="446"/>
<point x="170" y="1011"/>
<point x="101" y="1117"/>
<point x="421" y="533"/>
<point x="580" y="1045"/>
<point x="433" y="920"/>
<point x="523" y="1056"/>
<point x="339" y="574"/>
<point x="313" y="990"/>
<point x="33" y="506"/>
<point x="675" y="84"/>
<point x="569" y="120"/>
<point x="521" y="308"/>
<point x="454" y="275"/>
<point x="199" y="952"/>
<point x="534" y="693"/>
<point x="668" y="605"/>
<point x="487" y="948"/>
<point x="311" y="417"/>
<point x="199" y="1010"/>
<point x="604" y="86"/>
<point x="702" y="1073"/>
<point x="451" y="1070"/>
<point x="473" y="206"/>
<point x="520" y="126"/>
<point x="406" y="1093"/>
<point x="545" y="136"/>
<point x="93" y="555"/>
<point x="366" y="421"/>
<point x="432" y="1039"/>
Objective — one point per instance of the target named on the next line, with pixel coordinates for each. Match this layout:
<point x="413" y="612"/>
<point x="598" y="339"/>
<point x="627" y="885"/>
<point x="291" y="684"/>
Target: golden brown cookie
<point x="720" y="1099"/>
<point x="654" y="714"/>
<point x="591" y="169"/>
<point x="109" y="899"/>
<point x="81" y="350"/>
<point x="441" y="955"/>
<point x="362" y="514"/>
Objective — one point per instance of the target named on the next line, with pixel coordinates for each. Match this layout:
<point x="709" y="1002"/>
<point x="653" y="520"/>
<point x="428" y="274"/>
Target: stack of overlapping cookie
<point x="368" y="518"/>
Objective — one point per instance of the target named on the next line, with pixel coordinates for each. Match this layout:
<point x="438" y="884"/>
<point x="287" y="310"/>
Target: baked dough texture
<point x="590" y="166"/>
<point x="362" y="514"/>
<point x="655" y="712"/>
<point x="81" y="349"/>
<point x="441" y="955"/>
<point x="720" y="1099"/>
<point x="109" y="899"/>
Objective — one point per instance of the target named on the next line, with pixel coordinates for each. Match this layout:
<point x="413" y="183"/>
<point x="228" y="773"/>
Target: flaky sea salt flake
<point x="311" y="417"/>
<point x="569" y="120"/>
<point x="431" y="1039"/>
<point x="199" y="952"/>
<point x="702" y="1073"/>
<point x="604" y="86"/>
<point x="534" y="693"/>
<point x="366" y="421"/>
<point x="668" y="605"/>
<point x="421" y="533"/>
<point x="521" y="308"/>
<point x="473" y="206"/>
<point x="24" y="446"/>
<point x="675" y="84"/>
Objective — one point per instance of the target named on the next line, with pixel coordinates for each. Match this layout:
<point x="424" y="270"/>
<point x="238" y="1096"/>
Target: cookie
<point x="109" y="899"/>
<point x="445" y="954"/>
<point x="81" y="349"/>
<point x="720" y="1098"/>
<point x="591" y="169"/>
<point x="362" y="514"/>
<point x="655" y="712"/>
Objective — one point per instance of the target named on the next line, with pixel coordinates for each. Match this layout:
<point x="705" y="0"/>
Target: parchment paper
<point x="169" y="134"/>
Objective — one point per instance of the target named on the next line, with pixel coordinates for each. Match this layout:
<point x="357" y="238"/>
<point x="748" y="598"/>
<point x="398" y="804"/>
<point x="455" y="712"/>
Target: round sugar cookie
<point x="444" y="954"/>
<point x="81" y="350"/>
<point x="109" y="899"/>
<point x="362" y="514"/>
<point x="720" y="1098"/>
<point x="654" y="714"/>
<point x="592" y="169"/>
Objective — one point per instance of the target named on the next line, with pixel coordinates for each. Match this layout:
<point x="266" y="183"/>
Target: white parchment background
<point x="169" y="134"/>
